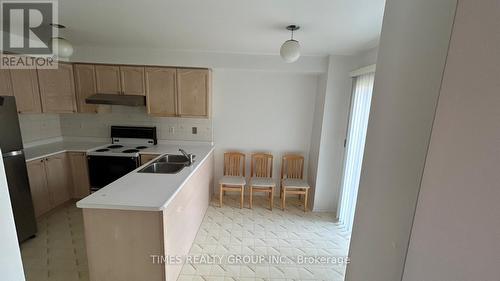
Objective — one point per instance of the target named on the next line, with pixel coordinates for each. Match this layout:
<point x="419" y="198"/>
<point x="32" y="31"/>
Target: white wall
<point x="456" y="233"/>
<point x="412" y="53"/>
<point x="11" y="266"/>
<point x="257" y="111"/>
<point x="329" y="129"/>
<point x="315" y="142"/>
<point x="39" y="127"/>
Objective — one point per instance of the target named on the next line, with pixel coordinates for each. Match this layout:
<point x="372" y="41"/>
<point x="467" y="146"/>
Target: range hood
<point x="114" y="99"/>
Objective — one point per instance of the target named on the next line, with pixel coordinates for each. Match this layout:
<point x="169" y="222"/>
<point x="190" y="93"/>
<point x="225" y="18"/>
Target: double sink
<point x="167" y="164"/>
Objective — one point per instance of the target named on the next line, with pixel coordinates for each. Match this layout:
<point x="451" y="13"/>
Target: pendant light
<point x="290" y="50"/>
<point x="63" y="47"/>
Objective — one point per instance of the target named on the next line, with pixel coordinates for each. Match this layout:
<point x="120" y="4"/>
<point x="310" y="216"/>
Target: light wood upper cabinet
<point x="25" y="89"/>
<point x="132" y="80"/>
<point x="5" y="83"/>
<point x="57" y="89"/>
<point x="80" y="175"/>
<point x="108" y="79"/>
<point x="193" y="88"/>
<point x="58" y="178"/>
<point x="38" y="186"/>
<point x="161" y="91"/>
<point x="85" y="86"/>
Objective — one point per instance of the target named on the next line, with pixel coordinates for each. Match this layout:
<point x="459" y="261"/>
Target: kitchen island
<point x="142" y="215"/>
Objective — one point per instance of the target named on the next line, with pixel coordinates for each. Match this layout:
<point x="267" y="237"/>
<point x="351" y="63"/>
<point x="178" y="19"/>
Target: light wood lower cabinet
<point x="145" y="158"/>
<point x="80" y="174"/>
<point x="38" y="185"/>
<point x="56" y="179"/>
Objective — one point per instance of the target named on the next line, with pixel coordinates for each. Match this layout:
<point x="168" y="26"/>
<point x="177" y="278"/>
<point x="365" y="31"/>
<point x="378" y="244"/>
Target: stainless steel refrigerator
<point x="15" y="168"/>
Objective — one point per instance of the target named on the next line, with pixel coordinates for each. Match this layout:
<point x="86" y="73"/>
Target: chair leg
<point x="220" y="196"/>
<point x="251" y="197"/>
<point x="271" y="199"/>
<point x="283" y="193"/>
<point x="305" y="200"/>
<point x="241" y="196"/>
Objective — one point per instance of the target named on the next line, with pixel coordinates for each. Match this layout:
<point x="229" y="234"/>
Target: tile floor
<point x="58" y="251"/>
<point x="260" y="232"/>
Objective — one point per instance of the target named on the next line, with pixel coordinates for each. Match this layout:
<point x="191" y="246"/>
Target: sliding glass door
<point x="355" y="145"/>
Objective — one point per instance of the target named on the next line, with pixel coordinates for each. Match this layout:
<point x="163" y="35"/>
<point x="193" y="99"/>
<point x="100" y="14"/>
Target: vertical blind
<point x="355" y="146"/>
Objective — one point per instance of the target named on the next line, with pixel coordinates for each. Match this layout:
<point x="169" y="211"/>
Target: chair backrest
<point x="292" y="166"/>
<point x="234" y="164"/>
<point x="261" y="165"/>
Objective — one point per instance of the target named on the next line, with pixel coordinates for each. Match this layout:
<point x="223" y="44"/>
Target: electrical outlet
<point x="194" y="130"/>
<point x="171" y="130"/>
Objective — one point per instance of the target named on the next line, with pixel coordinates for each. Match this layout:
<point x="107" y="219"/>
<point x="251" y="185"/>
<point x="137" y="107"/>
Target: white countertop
<point x="145" y="191"/>
<point x="45" y="150"/>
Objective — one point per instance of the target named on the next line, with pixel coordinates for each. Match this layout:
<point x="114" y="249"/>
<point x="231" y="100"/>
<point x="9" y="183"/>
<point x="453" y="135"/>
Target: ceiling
<point x="224" y="26"/>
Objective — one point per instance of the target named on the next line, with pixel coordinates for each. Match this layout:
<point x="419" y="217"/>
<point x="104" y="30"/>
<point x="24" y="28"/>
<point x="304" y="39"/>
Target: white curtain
<point x="355" y="145"/>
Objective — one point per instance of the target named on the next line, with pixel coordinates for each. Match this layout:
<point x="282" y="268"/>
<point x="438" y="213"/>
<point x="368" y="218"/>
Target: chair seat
<point x="232" y="180"/>
<point x="262" y="182"/>
<point x="295" y="183"/>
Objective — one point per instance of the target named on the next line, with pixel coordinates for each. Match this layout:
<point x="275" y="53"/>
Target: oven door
<point x="103" y="170"/>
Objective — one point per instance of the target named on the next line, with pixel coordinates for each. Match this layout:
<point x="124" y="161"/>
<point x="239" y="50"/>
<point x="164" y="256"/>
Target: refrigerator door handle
<point x="12" y="153"/>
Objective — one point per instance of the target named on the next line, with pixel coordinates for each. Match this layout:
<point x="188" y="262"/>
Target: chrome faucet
<point x="190" y="157"/>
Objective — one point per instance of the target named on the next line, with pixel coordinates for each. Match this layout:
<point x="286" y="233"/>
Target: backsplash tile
<point x="39" y="127"/>
<point x="168" y="128"/>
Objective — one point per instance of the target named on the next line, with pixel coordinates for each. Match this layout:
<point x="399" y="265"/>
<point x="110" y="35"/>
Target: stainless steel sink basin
<point x="167" y="164"/>
<point x="163" y="168"/>
<point x="173" y="158"/>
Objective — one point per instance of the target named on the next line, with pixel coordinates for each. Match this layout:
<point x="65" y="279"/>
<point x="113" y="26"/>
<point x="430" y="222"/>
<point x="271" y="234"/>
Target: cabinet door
<point x="193" y="88"/>
<point x="132" y="79"/>
<point x="56" y="168"/>
<point x="147" y="157"/>
<point x="84" y="87"/>
<point x="25" y="89"/>
<point x="80" y="174"/>
<point x="38" y="186"/>
<point x="161" y="91"/>
<point x="108" y="79"/>
<point x="57" y="89"/>
<point x="5" y="83"/>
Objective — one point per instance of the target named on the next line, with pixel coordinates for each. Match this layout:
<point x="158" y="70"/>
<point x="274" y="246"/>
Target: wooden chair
<point x="292" y="182"/>
<point x="234" y="175"/>
<point x="261" y="176"/>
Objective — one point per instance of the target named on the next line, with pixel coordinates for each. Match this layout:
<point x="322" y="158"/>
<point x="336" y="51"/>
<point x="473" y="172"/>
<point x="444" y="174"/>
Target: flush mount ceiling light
<point x="290" y="50"/>
<point x="63" y="47"/>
